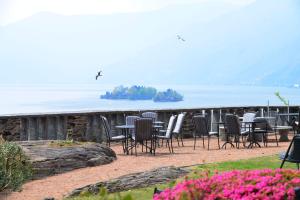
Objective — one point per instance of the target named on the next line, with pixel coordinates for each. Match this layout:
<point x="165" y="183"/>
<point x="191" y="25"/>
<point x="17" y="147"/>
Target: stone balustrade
<point x="86" y="126"/>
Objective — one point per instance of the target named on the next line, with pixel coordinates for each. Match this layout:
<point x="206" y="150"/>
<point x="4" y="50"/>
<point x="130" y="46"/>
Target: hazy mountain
<point x="256" y="44"/>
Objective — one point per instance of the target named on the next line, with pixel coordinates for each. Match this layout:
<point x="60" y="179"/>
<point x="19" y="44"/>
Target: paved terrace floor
<point x="60" y="185"/>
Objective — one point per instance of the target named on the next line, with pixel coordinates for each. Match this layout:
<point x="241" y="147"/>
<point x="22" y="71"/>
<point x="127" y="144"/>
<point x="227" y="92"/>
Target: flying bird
<point x="180" y="38"/>
<point x="98" y="75"/>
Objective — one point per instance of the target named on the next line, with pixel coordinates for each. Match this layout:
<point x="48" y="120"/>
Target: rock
<point x="49" y="198"/>
<point x="136" y="180"/>
<point x="48" y="160"/>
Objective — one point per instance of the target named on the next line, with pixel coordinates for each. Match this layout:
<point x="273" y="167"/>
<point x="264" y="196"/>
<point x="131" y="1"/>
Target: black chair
<point x="144" y="133"/>
<point x="233" y="130"/>
<point x="201" y="130"/>
<point x="109" y="137"/>
<point x="262" y="126"/>
<point x="293" y="152"/>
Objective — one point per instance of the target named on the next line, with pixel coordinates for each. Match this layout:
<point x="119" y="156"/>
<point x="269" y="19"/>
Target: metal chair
<point x="201" y="130"/>
<point x="248" y="117"/>
<point x="233" y="129"/>
<point x="177" y="130"/>
<point x="263" y="127"/>
<point x="144" y="133"/>
<point x="152" y="115"/>
<point x="168" y="133"/>
<point x="293" y="152"/>
<point x="130" y="121"/>
<point x="109" y="137"/>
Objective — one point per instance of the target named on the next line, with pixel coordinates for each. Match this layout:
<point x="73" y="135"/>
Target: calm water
<point x="56" y="98"/>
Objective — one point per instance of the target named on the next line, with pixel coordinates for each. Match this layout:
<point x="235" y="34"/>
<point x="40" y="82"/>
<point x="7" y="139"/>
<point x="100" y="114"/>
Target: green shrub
<point x="15" y="167"/>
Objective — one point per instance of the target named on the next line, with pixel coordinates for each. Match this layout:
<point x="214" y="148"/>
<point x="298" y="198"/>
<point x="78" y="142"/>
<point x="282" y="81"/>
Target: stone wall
<point x="86" y="126"/>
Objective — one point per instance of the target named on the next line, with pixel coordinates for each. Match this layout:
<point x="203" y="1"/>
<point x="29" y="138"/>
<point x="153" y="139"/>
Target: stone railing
<point x="86" y="126"/>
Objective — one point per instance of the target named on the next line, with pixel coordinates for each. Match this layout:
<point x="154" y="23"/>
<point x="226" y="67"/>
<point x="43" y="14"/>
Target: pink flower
<point x="247" y="185"/>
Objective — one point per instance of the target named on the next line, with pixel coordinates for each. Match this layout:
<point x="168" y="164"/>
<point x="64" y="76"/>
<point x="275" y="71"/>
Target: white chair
<point x="168" y="133"/>
<point x="178" y="127"/>
<point x="248" y="118"/>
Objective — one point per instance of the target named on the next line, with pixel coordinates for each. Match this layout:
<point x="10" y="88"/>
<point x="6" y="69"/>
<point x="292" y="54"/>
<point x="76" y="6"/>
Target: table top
<point x="158" y="122"/>
<point x="125" y="126"/>
<point x="288" y="114"/>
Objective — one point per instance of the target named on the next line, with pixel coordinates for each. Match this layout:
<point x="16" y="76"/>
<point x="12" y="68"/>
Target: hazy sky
<point x="14" y="10"/>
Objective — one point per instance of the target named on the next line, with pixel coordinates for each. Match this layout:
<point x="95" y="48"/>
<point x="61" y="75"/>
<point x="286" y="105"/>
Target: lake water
<point x="57" y="98"/>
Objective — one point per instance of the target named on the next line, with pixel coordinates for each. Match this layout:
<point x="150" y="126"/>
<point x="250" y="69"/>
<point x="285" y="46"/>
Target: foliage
<point x="142" y="93"/>
<point x="132" y="93"/>
<point x="248" y="184"/>
<point x="15" y="167"/>
<point x="282" y="99"/>
<point x="168" y="96"/>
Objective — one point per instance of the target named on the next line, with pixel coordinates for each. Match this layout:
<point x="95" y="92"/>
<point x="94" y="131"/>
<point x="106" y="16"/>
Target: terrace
<point x="87" y="127"/>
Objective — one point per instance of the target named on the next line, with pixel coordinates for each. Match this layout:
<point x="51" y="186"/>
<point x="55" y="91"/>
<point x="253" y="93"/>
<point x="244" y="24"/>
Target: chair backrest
<point x="143" y="129"/>
<point x="106" y="126"/>
<point x="232" y="124"/>
<point x="293" y="151"/>
<point x="201" y="125"/>
<point x="131" y="119"/>
<point x="152" y="115"/>
<point x="179" y="123"/>
<point x="248" y="117"/>
<point x="170" y="126"/>
<point x="262" y="124"/>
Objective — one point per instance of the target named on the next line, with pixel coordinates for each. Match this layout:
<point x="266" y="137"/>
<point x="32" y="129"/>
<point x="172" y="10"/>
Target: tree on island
<point x="168" y="96"/>
<point x="142" y="93"/>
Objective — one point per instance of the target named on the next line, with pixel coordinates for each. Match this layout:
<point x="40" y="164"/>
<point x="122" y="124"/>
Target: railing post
<point x="60" y="129"/>
<point x="211" y="119"/>
<point x="51" y="130"/>
<point x="32" y="128"/>
<point x="41" y="128"/>
<point x="89" y="128"/>
<point x="23" y="129"/>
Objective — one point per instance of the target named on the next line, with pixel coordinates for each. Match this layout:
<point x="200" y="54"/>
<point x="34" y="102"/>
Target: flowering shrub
<point x="248" y="185"/>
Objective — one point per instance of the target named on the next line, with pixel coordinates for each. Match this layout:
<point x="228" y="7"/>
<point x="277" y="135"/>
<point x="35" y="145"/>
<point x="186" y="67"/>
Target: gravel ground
<point x="59" y="185"/>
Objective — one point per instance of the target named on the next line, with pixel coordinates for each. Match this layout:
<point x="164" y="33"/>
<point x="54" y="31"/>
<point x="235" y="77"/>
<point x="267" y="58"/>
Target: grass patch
<point x="65" y="143"/>
<point x="270" y="162"/>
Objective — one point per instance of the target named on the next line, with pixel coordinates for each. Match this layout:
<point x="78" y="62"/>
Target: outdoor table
<point x="252" y="134"/>
<point x="283" y="132"/>
<point x="226" y="137"/>
<point x="126" y="132"/>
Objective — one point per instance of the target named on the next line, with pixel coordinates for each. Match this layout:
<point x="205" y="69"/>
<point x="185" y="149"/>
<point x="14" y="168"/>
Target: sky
<point x="15" y="10"/>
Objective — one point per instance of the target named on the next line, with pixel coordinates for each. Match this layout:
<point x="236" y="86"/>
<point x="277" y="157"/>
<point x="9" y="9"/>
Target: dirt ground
<point x="60" y="185"/>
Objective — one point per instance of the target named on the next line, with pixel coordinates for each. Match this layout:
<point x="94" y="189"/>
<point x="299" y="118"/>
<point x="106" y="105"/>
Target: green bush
<point x="15" y="167"/>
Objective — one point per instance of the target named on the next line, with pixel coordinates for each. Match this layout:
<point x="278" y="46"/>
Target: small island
<point x="142" y="93"/>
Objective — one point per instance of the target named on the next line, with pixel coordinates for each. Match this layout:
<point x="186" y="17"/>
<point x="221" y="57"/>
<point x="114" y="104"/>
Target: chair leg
<point x="219" y="142"/>
<point x="123" y="146"/>
<point x="181" y="139"/>
<point x="203" y="145"/>
<point x="168" y="142"/>
<point x="282" y="163"/>
<point x="195" y="138"/>
<point x="172" y="145"/>
<point x="135" y="148"/>
<point x="177" y="141"/>
<point x="276" y="138"/>
<point x="208" y="139"/>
